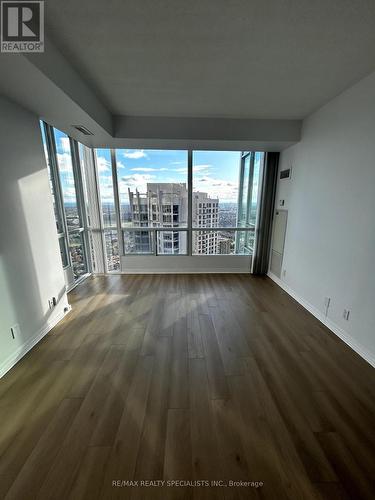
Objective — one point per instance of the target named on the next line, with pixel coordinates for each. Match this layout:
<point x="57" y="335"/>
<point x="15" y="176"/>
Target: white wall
<point x="30" y="264"/>
<point x="330" y="239"/>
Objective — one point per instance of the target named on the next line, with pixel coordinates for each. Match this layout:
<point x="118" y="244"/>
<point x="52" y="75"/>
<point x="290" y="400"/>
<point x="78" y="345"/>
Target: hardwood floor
<point x="193" y="378"/>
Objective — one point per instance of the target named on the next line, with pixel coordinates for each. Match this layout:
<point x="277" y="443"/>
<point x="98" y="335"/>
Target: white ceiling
<point x="216" y="58"/>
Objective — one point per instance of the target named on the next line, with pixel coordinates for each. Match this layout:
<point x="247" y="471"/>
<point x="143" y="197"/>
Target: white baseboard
<point x="29" y="344"/>
<point x="187" y="271"/>
<point x="337" y="330"/>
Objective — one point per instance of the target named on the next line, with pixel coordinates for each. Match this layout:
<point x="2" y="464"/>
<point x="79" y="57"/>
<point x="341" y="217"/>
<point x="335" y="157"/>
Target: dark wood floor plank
<point x="233" y="460"/>
<point x="177" y="458"/>
<point x="89" y="478"/>
<point x="348" y="471"/>
<point x="179" y="386"/>
<point x="214" y="364"/>
<point x="260" y="450"/>
<point x="31" y="476"/>
<point x="195" y="343"/>
<point x="74" y="445"/>
<point x="293" y="466"/>
<point x="294" y="417"/>
<point x="190" y="377"/>
<point x="225" y="327"/>
<point x="122" y="461"/>
<point x="205" y="455"/>
<point x="150" y="457"/>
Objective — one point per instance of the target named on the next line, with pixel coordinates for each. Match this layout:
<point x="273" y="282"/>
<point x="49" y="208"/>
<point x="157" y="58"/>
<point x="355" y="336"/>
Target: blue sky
<point x="215" y="173"/>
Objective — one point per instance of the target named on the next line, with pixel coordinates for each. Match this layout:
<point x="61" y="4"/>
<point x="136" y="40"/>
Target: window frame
<point x="189" y="228"/>
<point x="59" y="200"/>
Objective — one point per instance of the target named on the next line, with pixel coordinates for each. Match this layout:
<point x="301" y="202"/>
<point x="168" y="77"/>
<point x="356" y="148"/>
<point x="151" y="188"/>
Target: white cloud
<point x="69" y="194"/>
<point x="135" y="181"/>
<point x="64" y="161"/>
<point x="103" y="164"/>
<point x="135" y="154"/>
<point x="217" y="188"/>
<point x="65" y="144"/>
<point x="145" y="169"/>
<point x="106" y="188"/>
<point x="200" y="168"/>
<point x="196" y="169"/>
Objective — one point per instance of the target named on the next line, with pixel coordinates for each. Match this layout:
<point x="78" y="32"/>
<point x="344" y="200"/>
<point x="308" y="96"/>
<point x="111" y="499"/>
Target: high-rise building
<point x="165" y="205"/>
<point x="205" y="215"/>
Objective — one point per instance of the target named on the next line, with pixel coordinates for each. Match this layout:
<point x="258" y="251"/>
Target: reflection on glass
<point x="152" y="187"/>
<point x="64" y="161"/>
<point x="258" y="161"/>
<point x="83" y="166"/>
<point x="249" y="187"/>
<point x="171" y="242"/>
<point x="216" y="177"/>
<point x="112" y="250"/>
<point x="77" y="254"/>
<point x="138" y="242"/>
<point x="59" y="226"/>
<point x="107" y="199"/>
<point x="242" y="213"/>
<point x="221" y="242"/>
<point x="64" y="257"/>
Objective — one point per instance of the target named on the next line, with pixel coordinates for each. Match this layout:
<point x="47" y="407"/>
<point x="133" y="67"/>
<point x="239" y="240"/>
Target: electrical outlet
<point x="52" y="302"/>
<point x="345" y="314"/>
<point x="15" y="331"/>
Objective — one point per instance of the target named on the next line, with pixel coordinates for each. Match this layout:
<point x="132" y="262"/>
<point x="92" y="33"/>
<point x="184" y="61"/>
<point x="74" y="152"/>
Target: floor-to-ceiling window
<point x="153" y="201"/>
<point x="220" y="199"/>
<point x="177" y="202"/>
<point x="64" y="167"/>
<point x="248" y="200"/>
<point x="109" y="214"/>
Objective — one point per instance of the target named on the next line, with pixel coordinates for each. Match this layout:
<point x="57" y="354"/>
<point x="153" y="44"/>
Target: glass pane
<point x="77" y="254"/>
<point x="243" y="197"/>
<point x="59" y="226"/>
<point x="245" y="242"/>
<point x="107" y="199"/>
<point x="228" y="242"/>
<point x="112" y="250"/>
<point x="215" y="188"/>
<point x="171" y="242"/>
<point x="64" y="161"/>
<point x="81" y="151"/>
<point x="152" y="187"/>
<point x="92" y="253"/>
<point x="258" y="161"/>
<point x="64" y="257"/>
<point x="138" y="242"/>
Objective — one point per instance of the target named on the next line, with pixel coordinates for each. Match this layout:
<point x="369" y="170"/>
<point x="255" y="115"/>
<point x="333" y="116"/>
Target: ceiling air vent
<point x="83" y="129"/>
